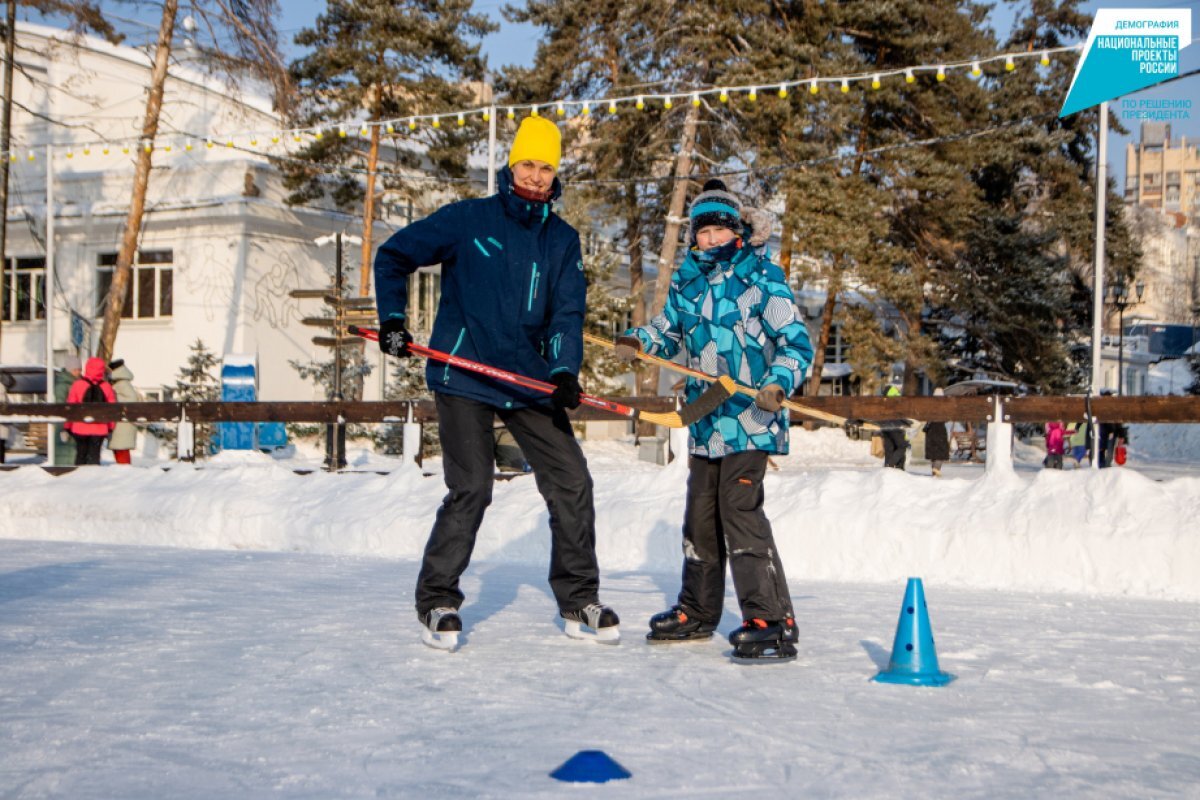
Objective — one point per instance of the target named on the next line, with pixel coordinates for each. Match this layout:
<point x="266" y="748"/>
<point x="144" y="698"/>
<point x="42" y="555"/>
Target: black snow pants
<point x="724" y="521"/>
<point x="895" y="448"/>
<point x="468" y="458"/>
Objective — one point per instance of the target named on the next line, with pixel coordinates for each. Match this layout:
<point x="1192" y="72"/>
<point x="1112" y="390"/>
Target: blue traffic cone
<point x="590" y="766"/>
<point x="914" y="658"/>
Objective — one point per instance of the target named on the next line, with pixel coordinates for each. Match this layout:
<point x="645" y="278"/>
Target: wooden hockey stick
<point x="737" y="387"/>
<point x="701" y="407"/>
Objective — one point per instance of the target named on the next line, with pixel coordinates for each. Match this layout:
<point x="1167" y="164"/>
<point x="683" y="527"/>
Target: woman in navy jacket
<point x="513" y="297"/>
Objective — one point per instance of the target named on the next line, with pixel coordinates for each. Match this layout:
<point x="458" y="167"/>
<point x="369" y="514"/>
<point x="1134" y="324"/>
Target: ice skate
<point x="759" y="641"/>
<point x="595" y="622"/>
<point x="676" y="626"/>
<point x="440" y="628"/>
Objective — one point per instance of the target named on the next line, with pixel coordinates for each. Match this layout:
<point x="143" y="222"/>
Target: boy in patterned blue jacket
<point x="731" y="312"/>
<point x="513" y="296"/>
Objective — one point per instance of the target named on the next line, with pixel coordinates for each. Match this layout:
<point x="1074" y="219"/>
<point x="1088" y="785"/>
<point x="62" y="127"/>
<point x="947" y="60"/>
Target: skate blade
<point x="772" y="656"/>
<point x="577" y="630"/>
<point x="446" y="640"/>
<point x="693" y="639"/>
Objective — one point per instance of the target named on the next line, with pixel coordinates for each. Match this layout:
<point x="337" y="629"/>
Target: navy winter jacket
<point x="513" y="291"/>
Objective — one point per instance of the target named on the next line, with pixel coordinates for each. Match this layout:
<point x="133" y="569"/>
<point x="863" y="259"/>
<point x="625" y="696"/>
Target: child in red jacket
<point x="90" y="388"/>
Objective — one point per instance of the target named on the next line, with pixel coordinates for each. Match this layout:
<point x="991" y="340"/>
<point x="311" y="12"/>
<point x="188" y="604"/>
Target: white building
<point x="220" y="249"/>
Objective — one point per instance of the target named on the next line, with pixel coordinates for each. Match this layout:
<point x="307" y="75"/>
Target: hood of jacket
<point x="121" y="373"/>
<point x="93" y="370"/>
<point x="526" y="212"/>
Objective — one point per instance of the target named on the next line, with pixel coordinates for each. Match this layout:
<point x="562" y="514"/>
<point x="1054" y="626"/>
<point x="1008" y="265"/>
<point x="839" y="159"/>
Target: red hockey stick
<point x="702" y="406"/>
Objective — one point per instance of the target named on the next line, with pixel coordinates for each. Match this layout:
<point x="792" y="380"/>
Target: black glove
<point x="566" y="390"/>
<point x="394" y="338"/>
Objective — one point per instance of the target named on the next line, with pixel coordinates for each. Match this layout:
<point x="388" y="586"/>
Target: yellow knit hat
<point x="537" y="139"/>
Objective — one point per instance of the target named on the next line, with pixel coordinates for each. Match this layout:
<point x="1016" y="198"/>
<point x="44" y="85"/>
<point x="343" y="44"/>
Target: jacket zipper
<point x="533" y="282"/>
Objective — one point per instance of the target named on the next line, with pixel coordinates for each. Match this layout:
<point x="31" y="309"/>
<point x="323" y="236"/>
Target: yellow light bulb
<point x="188" y="147"/>
<point x="391" y="128"/>
<point x="437" y="122"/>
<point x="147" y="147"/>
<point x="845" y="86"/>
<point x="1009" y="64"/>
<point x="612" y="107"/>
<point x="724" y="96"/>
<point x="104" y="151"/>
<point x="941" y="74"/>
<point x="696" y="100"/>
<point x="667" y="102"/>
<point x="87" y="151"/>
<point x="461" y="120"/>
<point x="512" y="114"/>
<point x="12" y="157"/>
<point x="753" y="96"/>
<point x="558" y="109"/>
<point x="320" y="134"/>
<point x="70" y="154"/>
<point x="229" y="143"/>
<point x="875" y="82"/>
<point x="640" y="104"/>
<point x="587" y="109"/>
<point x="908" y="76"/>
<point x="167" y="148"/>
<point x="275" y="139"/>
<point x="125" y="149"/>
<point x="783" y="92"/>
<point x="1044" y="60"/>
<point x="364" y="131"/>
<point x="975" y="70"/>
<point x="813" y="88"/>
<point x="412" y="124"/>
<point x="341" y="131"/>
<point x="533" y="111"/>
<point x="254" y="142"/>
<point x="32" y="156"/>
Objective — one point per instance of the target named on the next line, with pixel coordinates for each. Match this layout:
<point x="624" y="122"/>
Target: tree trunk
<point x="832" y="290"/>
<point x="364" y="283"/>
<point x="670" y="246"/>
<point x="785" y="241"/>
<point x="123" y="272"/>
<point x="5" y="143"/>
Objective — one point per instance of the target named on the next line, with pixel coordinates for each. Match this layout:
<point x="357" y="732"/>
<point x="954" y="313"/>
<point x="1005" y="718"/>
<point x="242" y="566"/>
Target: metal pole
<point x="335" y="454"/>
<point x="491" y="150"/>
<point x="1121" y="349"/>
<point x="1098" y="276"/>
<point x="48" y="297"/>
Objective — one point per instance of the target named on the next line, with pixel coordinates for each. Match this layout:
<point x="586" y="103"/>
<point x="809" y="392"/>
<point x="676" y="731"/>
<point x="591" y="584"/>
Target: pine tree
<point x="196" y="383"/>
<point x="375" y="60"/>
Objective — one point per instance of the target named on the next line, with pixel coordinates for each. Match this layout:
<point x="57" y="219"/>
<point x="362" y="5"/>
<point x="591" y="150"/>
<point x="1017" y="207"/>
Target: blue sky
<point x="516" y="44"/>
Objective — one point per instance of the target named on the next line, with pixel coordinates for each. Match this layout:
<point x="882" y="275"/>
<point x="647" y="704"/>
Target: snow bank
<point x="1102" y="532"/>
<point x="1165" y="442"/>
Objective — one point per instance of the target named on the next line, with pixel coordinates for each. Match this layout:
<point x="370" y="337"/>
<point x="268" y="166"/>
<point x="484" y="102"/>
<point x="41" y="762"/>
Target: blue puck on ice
<point x="590" y="766"/>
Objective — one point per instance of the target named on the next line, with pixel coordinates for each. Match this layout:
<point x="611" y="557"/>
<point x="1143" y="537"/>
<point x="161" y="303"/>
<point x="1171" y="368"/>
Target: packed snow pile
<point x="1165" y="442"/>
<point x="837" y="516"/>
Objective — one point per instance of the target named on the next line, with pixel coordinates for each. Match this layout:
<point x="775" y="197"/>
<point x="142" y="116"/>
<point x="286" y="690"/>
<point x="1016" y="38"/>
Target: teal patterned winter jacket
<point x="736" y="318"/>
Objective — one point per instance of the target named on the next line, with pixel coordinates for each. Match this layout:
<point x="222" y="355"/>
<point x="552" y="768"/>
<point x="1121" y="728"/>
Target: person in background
<point x="124" y="434"/>
<point x="1079" y="438"/>
<point x="895" y="443"/>
<point x="6" y="383"/>
<point x="730" y="311"/>
<point x="64" y="379"/>
<point x="1056" y="434"/>
<point x="937" y="442"/>
<point x="90" y="388"/>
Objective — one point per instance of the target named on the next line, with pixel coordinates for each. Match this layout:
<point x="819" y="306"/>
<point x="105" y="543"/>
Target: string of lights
<point x="284" y="139"/>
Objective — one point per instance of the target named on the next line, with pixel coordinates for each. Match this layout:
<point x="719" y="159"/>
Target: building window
<point x="1150" y="179"/>
<point x="151" y="289"/>
<point x="24" y="289"/>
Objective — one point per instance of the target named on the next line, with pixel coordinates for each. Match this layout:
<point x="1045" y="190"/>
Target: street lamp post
<point x="1118" y="298"/>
